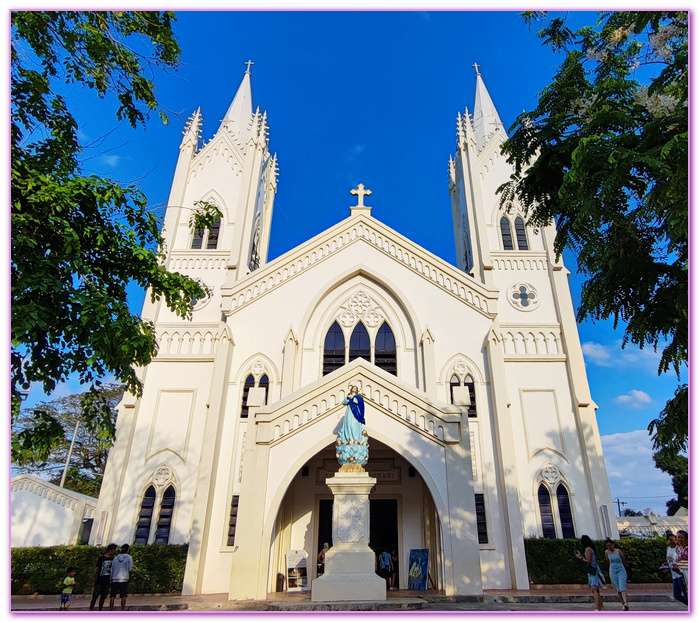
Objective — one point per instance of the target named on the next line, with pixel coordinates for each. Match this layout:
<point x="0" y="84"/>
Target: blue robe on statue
<point x="353" y="446"/>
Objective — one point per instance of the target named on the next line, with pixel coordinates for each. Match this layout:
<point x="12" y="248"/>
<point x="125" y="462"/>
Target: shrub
<point x="157" y="568"/>
<point x="552" y="561"/>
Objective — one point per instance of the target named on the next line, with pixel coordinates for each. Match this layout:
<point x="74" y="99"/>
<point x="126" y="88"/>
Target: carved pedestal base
<point x="349" y="572"/>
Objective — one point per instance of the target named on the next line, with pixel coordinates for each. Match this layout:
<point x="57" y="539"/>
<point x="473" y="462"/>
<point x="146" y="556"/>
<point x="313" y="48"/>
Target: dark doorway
<point x="384" y="528"/>
<point x="325" y="523"/>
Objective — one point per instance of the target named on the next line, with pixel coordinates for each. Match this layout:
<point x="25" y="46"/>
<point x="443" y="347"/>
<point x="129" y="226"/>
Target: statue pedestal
<point x="349" y="572"/>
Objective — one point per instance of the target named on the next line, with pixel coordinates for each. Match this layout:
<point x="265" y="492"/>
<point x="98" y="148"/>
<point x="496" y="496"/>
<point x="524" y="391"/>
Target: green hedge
<point x="161" y="568"/>
<point x="157" y="568"/>
<point x="552" y="561"/>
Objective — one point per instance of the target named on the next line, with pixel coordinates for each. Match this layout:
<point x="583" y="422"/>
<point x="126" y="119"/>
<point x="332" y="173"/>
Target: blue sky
<point x="372" y="97"/>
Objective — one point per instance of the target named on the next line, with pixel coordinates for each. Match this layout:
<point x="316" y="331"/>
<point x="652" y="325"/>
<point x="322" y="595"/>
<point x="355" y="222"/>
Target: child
<point x="67" y="588"/>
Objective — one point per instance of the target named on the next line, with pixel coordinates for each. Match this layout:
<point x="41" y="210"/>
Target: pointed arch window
<point x="359" y="343"/>
<point x="468" y="382"/>
<point x="520" y="234"/>
<point x="143" y="525"/>
<point x="265" y="384"/>
<point x="213" y="237"/>
<point x="333" y="349"/>
<point x="207" y="238"/>
<point x="565" y="516"/>
<point x="249" y="382"/>
<point x="506" y="234"/>
<point x="454" y="382"/>
<point x="165" y="517"/>
<point x="385" y="349"/>
<point x="546" y="515"/>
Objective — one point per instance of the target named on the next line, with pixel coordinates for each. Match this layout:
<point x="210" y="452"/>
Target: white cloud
<point x="608" y="355"/>
<point x="597" y="353"/>
<point x="111" y="161"/>
<point x="635" y="398"/>
<point x="633" y="477"/>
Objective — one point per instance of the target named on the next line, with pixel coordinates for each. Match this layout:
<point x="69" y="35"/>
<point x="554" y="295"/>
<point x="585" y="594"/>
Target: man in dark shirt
<point x="101" y="576"/>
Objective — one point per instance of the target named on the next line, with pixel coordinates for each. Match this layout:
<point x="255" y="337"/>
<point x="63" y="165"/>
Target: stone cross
<point x="475" y="66"/>
<point x="361" y="193"/>
<point x="248" y="64"/>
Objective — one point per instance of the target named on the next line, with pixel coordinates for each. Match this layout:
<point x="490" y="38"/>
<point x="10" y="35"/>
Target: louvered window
<point x="143" y="525"/>
<point x="165" y="517"/>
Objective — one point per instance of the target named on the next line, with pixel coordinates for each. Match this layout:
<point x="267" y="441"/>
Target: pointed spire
<point x="486" y="119"/>
<point x="193" y="130"/>
<point x="240" y="111"/>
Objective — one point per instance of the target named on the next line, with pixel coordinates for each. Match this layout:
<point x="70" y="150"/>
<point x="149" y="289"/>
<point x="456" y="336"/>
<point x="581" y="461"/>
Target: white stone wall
<point x="42" y="514"/>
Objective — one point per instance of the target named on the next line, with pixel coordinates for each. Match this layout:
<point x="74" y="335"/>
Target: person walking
<point x="385" y="566"/>
<point x="618" y="573"/>
<point x="589" y="558"/>
<point x="121" y="567"/>
<point x="680" y="592"/>
<point x="67" y="591"/>
<point x="102" y="576"/>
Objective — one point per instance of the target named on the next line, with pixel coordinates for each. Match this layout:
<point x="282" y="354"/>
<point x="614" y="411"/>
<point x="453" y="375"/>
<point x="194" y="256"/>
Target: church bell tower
<point x="235" y="171"/>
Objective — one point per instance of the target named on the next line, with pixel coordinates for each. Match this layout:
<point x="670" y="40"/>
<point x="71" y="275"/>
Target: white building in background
<point x="482" y="428"/>
<point x="43" y="514"/>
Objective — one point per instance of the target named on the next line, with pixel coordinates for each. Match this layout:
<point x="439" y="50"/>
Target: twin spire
<point x="239" y="119"/>
<point x="485" y="121"/>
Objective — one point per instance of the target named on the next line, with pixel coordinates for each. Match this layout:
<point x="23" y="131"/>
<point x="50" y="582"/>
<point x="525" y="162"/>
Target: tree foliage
<point x="90" y="446"/>
<point x="605" y="156"/>
<point x="78" y="240"/>
<point x="676" y="465"/>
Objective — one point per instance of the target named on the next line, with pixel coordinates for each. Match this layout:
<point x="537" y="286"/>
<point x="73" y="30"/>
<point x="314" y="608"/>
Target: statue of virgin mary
<point x="352" y="446"/>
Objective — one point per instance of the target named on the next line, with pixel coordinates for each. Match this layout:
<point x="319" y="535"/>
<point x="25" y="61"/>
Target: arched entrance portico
<point x="287" y="435"/>
<point x="403" y="515"/>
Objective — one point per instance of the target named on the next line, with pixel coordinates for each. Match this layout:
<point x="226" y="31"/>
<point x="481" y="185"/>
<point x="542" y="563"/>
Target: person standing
<point x="589" y="558"/>
<point x="67" y="591"/>
<point x="321" y="560"/>
<point x="679" y="589"/>
<point x="394" y="584"/>
<point x="102" y="575"/>
<point x="618" y="573"/>
<point x="121" y="566"/>
<point x="682" y="560"/>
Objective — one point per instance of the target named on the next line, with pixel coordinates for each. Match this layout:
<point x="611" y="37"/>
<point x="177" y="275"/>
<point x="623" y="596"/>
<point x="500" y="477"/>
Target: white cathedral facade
<point x="481" y="425"/>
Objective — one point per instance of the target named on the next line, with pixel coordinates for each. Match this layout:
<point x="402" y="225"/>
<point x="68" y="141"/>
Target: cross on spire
<point x="476" y="66"/>
<point x="361" y="193"/>
<point x="248" y="64"/>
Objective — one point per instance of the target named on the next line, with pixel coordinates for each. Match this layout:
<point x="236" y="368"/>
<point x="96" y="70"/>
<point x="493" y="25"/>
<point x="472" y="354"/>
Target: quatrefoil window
<point x="523" y="296"/>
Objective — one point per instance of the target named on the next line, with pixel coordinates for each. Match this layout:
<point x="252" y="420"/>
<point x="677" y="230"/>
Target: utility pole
<point x="619" y="504"/>
<point x="70" y="452"/>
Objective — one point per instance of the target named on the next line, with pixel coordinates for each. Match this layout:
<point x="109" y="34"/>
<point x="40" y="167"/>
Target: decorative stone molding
<point x="186" y="343"/>
<point x="523" y="296"/>
<point x="514" y="260"/>
<point x="461" y="368"/>
<point x="379" y="390"/>
<point x="162" y="476"/>
<point x="350" y="515"/>
<point x="446" y="277"/>
<point x="528" y="341"/>
<point x="550" y="473"/>
<point x="203" y="260"/>
<point x="257" y="368"/>
<point x="360" y="306"/>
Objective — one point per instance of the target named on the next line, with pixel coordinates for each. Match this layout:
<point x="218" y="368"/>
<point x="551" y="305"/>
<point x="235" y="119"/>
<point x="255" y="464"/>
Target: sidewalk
<point x="559" y="597"/>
